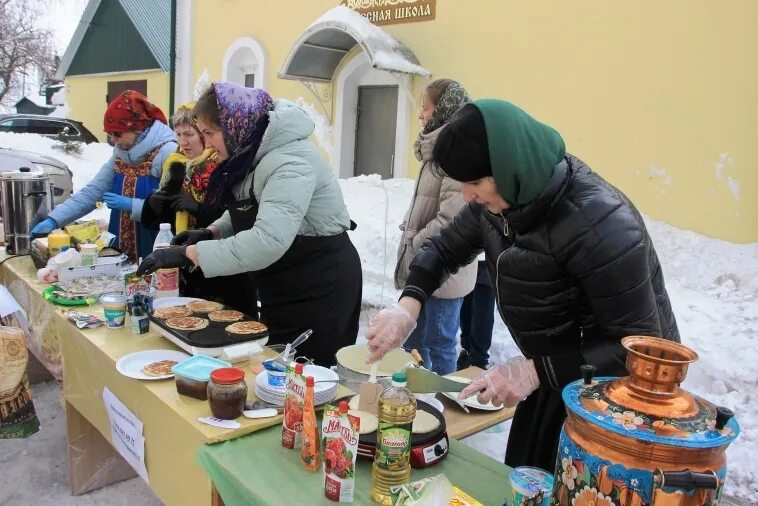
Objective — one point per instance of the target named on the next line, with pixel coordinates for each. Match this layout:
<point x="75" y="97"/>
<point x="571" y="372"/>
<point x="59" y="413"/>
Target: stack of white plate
<point x="322" y="392"/>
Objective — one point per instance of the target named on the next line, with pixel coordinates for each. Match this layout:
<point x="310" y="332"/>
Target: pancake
<point x="160" y="368"/>
<point x="171" y="312"/>
<point x="424" y="422"/>
<point x="225" y="315"/>
<point x="204" y="306"/>
<point x="369" y="421"/>
<point x="249" y="327"/>
<point x="187" y="323"/>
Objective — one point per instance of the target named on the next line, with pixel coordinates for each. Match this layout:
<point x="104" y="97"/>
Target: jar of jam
<point x="227" y="393"/>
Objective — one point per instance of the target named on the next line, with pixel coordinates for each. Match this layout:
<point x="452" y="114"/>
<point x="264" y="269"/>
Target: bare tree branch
<point x="24" y="47"/>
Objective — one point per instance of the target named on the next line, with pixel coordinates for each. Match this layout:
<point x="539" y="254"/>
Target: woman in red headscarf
<point x="142" y="142"/>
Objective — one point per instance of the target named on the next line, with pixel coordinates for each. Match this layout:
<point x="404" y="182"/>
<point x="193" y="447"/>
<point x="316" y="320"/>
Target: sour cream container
<point x="114" y="307"/>
<point x="531" y="485"/>
<point x="88" y="253"/>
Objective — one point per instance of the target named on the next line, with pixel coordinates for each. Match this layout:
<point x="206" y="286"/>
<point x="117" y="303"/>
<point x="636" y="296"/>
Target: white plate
<point x="319" y="373"/>
<point x="131" y="365"/>
<point x="470" y="402"/>
<point x="279" y="400"/>
<point x="172" y="301"/>
<point x="429" y="399"/>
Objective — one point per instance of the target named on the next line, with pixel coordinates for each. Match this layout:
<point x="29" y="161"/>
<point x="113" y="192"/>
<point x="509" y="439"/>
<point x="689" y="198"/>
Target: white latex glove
<point x="388" y="329"/>
<point x="508" y="383"/>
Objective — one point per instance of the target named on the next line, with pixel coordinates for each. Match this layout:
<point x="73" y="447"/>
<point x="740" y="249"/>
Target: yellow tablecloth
<point x="171" y="430"/>
<point x="19" y="275"/>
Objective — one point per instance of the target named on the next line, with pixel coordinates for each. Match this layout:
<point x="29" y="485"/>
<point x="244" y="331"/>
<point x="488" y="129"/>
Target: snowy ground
<point x="713" y="286"/>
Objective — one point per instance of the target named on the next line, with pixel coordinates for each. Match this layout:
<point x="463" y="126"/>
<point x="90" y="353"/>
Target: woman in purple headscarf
<point x="285" y="222"/>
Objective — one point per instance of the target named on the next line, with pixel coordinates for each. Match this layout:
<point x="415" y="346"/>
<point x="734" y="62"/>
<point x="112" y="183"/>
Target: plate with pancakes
<point x="150" y="364"/>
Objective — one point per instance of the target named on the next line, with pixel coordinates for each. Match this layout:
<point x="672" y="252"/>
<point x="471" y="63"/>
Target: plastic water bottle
<point x="166" y="280"/>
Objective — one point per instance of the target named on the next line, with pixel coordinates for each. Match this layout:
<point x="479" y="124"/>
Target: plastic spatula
<point x="422" y="381"/>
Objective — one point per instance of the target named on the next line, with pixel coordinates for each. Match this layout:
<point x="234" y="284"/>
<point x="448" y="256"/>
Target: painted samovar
<point x="641" y="440"/>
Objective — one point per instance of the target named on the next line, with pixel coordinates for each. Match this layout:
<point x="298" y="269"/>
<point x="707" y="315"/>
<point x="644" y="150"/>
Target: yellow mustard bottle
<point x="57" y="240"/>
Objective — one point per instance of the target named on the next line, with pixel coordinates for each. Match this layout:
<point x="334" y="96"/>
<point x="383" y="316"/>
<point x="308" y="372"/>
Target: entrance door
<point x="116" y="87"/>
<point x="375" y="130"/>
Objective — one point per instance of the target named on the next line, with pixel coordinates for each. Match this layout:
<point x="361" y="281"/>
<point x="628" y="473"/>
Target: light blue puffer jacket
<point x="297" y="194"/>
<point x="83" y="201"/>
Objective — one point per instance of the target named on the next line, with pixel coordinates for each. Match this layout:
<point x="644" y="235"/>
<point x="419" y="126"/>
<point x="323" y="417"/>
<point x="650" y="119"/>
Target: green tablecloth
<point x="255" y="469"/>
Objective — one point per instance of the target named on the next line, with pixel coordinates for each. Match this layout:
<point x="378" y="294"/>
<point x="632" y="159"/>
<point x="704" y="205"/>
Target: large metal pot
<point x="641" y="440"/>
<point x="27" y="198"/>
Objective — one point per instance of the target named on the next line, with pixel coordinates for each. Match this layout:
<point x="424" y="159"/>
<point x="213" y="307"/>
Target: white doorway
<point x="356" y="73"/>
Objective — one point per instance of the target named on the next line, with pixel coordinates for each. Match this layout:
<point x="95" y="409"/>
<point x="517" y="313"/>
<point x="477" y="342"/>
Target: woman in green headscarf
<point x="436" y="199"/>
<point x="572" y="264"/>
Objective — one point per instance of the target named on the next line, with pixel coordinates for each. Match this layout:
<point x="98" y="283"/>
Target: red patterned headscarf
<point x="130" y="111"/>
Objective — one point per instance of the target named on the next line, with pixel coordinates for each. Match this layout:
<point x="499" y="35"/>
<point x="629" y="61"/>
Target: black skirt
<point x="536" y="428"/>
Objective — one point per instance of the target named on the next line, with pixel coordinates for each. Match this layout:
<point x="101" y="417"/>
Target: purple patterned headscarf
<point x="239" y="109"/>
<point x="243" y="117"/>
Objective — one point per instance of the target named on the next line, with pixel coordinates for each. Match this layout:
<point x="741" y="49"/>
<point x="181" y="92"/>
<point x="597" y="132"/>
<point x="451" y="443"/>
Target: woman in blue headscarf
<point x="286" y="222"/>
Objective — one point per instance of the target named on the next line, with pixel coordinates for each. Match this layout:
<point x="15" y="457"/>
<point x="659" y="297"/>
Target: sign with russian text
<point x="390" y="12"/>
<point x="126" y="433"/>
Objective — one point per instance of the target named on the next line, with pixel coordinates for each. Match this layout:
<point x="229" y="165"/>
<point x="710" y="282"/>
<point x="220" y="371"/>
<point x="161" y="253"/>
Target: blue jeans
<point x="477" y="319"/>
<point x="435" y="334"/>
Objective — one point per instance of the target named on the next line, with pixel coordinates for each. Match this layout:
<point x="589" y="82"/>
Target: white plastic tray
<point x="106" y="266"/>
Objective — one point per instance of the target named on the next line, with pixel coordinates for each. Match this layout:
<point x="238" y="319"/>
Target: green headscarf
<point x="523" y="152"/>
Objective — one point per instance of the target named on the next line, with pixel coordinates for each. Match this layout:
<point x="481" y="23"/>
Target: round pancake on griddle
<point x="171" y="312"/>
<point x="249" y="327"/>
<point x="187" y="323"/>
<point x="204" y="306"/>
<point x="225" y="315"/>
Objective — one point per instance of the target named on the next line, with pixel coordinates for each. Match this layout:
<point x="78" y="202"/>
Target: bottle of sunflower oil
<point x="396" y="410"/>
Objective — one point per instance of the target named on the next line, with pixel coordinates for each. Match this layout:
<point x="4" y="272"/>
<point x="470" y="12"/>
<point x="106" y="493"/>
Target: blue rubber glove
<point x="115" y="201"/>
<point x="44" y="227"/>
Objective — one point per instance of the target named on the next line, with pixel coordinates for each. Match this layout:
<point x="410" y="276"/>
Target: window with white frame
<point x="245" y="63"/>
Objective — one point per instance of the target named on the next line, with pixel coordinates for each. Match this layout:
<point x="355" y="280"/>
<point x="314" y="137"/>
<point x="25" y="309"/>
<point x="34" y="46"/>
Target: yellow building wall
<point x="86" y="96"/>
<point x="658" y="97"/>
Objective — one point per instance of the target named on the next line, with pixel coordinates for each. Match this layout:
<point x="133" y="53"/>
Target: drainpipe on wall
<point x="172" y="65"/>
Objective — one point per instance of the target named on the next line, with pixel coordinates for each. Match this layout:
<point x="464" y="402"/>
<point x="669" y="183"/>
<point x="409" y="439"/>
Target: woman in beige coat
<point x="435" y="201"/>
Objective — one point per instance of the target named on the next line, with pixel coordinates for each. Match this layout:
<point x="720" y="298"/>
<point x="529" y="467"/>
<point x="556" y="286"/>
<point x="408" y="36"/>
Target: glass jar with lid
<point x="227" y="393"/>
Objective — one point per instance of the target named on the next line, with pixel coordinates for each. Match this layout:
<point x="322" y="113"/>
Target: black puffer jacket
<point x="574" y="270"/>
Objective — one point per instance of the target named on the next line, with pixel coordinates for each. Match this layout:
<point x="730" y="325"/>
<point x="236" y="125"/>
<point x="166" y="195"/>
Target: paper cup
<point x="531" y="485"/>
<point x="114" y="307"/>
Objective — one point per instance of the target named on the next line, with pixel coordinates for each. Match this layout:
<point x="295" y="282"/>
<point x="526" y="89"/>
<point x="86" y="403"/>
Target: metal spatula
<point x="422" y="381"/>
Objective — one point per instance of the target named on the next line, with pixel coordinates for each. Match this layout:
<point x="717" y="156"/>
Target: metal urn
<point x="27" y="198"/>
<point x="642" y="440"/>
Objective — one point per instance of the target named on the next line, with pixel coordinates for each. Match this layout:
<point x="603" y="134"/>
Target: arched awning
<point x="319" y="50"/>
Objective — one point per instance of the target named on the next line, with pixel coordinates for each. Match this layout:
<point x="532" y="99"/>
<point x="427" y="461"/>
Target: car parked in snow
<point x="11" y="160"/>
<point x="45" y="125"/>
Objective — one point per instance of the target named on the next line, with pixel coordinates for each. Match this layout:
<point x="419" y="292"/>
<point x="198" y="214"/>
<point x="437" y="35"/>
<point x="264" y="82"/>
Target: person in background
<point x="436" y="199"/>
<point x="183" y="187"/>
<point x="142" y="142"/>
<point x="477" y="321"/>
<point x="286" y="221"/>
<point x="574" y="268"/>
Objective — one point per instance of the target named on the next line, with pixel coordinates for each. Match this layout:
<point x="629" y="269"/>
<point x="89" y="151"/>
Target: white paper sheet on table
<point x="126" y="433"/>
<point x="8" y="303"/>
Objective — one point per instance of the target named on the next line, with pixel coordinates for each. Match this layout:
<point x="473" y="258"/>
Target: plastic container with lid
<point x="192" y="375"/>
<point x="531" y="485"/>
<point x="56" y="241"/>
<point x="114" y="308"/>
<point x="88" y="253"/>
<point x="227" y="393"/>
